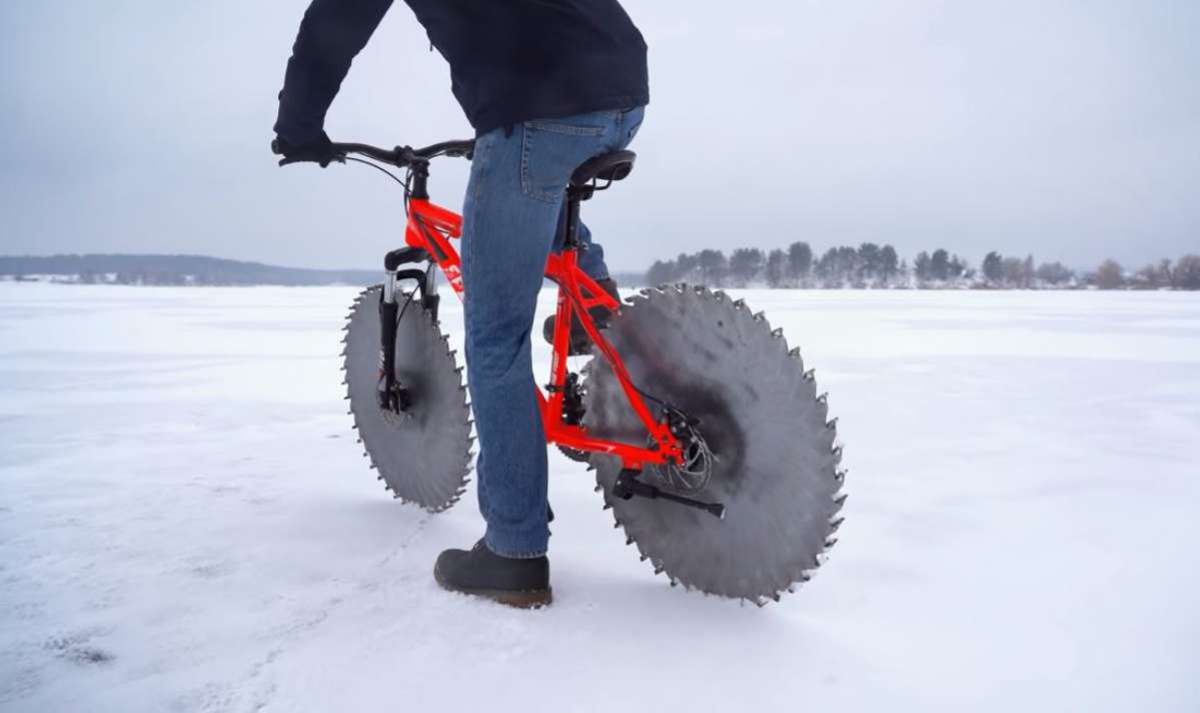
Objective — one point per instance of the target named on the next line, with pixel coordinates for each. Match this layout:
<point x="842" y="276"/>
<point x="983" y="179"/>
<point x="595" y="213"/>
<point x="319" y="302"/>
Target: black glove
<point x="319" y="151"/>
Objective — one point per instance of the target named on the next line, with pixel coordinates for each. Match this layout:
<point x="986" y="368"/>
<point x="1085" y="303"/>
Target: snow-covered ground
<point x="186" y="523"/>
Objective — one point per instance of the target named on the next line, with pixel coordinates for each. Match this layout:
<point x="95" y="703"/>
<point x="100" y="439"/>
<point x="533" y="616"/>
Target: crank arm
<point x="628" y="486"/>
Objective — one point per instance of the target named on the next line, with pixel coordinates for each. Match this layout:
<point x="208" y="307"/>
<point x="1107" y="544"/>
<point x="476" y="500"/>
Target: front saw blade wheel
<point x="774" y="465"/>
<point x="423" y="454"/>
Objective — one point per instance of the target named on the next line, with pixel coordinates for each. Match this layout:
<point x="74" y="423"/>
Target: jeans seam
<point x="565" y="129"/>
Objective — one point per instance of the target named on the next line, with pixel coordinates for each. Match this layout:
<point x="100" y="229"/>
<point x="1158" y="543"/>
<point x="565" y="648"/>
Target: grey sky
<point x="1067" y="129"/>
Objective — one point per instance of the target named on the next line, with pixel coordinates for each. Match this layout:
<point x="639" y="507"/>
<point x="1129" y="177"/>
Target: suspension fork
<point x="390" y="394"/>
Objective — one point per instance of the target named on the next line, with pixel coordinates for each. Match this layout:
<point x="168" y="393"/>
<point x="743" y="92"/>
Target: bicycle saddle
<point x="605" y="167"/>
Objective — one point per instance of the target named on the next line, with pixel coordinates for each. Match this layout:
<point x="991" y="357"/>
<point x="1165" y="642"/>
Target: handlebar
<point x="404" y="156"/>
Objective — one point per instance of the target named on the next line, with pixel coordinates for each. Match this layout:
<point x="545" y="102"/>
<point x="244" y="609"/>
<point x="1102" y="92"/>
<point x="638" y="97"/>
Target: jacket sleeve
<point x="331" y="34"/>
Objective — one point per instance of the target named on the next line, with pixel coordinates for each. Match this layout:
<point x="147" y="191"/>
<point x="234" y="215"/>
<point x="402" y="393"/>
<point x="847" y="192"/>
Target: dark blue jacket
<point x="510" y="60"/>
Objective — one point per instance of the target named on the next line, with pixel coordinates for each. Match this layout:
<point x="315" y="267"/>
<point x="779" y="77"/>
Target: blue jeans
<point x="512" y="219"/>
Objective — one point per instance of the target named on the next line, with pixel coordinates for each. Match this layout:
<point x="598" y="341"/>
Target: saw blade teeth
<point x="840" y="500"/>
<point x="837" y="454"/>
<point x="823" y="399"/>
<point x="835" y="522"/>
<point x="830" y="542"/>
<point x="810" y="375"/>
<point x="770" y="581"/>
<point x="839" y="476"/>
<point x="628" y="541"/>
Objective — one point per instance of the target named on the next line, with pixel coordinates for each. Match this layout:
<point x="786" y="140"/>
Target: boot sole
<point x="530" y="599"/>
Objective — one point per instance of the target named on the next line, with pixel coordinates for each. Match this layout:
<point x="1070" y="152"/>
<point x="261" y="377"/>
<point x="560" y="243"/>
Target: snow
<point x="186" y="523"/>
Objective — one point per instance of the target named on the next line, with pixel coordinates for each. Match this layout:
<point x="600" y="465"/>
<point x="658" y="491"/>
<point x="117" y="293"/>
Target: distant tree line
<point x="879" y="266"/>
<point x="172" y="270"/>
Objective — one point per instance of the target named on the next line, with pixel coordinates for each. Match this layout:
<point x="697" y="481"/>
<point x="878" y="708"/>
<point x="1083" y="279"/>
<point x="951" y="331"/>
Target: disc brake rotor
<point x="423" y="454"/>
<point x="773" y="461"/>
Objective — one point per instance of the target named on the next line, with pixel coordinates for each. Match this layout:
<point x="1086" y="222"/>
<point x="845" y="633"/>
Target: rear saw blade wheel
<point x="774" y="463"/>
<point x="423" y="454"/>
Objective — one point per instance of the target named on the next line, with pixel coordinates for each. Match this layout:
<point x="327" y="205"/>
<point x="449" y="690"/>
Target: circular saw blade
<point x="775" y="463"/>
<point x="424" y="454"/>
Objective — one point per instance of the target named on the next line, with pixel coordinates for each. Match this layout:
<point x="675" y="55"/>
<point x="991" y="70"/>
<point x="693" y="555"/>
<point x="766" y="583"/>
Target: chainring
<point x="775" y="463"/>
<point x="423" y="455"/>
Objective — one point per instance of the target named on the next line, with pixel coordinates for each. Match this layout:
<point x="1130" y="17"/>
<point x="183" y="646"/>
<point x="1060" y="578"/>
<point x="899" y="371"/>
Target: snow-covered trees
<point x="1109" y="276"/>
<point x="1186" y="275"/>
<point x="875" y="266"/>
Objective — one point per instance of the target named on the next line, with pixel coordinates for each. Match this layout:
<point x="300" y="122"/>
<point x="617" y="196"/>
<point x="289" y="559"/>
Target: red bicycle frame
<point x="431" y="228"/>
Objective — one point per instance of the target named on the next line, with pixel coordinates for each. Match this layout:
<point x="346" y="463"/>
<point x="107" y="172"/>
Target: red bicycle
<point x="707" y="436"/>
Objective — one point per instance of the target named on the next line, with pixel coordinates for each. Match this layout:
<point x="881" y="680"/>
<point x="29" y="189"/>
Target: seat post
<point x="571" y="240"/>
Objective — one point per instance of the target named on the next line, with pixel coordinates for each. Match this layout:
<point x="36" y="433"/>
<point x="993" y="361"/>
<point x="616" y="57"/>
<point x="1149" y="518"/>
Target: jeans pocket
<point x="551" y="150"/>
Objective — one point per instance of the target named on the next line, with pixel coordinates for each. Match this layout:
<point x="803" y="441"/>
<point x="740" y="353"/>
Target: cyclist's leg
<point x="591" y="260"/>
<point x="510" y="217"/>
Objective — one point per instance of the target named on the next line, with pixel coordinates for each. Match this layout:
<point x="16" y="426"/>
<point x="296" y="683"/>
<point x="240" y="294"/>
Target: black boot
<point x="521" y="583"/>
<point x="579" y="342"/>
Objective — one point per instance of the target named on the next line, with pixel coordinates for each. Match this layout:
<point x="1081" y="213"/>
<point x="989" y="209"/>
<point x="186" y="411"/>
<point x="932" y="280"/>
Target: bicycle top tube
<point x="405" y="156"/>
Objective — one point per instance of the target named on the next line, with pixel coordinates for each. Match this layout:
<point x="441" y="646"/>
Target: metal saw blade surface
<point x="775" y="464"/>
<point x="423" y="455"/>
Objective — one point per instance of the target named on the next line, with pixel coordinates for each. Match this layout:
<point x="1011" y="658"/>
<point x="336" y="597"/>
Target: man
<point x="546" y="84"/>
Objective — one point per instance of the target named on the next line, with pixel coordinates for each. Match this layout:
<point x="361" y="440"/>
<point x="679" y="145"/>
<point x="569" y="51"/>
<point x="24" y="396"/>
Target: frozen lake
<point x="186" y="523"/>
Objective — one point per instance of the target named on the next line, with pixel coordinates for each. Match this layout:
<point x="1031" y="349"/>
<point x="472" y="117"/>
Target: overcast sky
<point x="1067" y="129"/>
